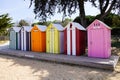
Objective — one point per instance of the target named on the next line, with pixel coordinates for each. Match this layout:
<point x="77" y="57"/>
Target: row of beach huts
<point x="69" y="40"/>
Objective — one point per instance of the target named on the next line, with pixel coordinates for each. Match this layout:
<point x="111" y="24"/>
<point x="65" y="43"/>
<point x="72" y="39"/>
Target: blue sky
<point x="19" y="9"/>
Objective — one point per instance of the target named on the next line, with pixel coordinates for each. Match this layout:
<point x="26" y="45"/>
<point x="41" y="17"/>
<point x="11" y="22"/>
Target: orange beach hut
<point x="38" y="38"/>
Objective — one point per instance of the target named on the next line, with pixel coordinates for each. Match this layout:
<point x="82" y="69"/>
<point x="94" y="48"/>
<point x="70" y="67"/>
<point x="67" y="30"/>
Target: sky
<point x="19" y="9"/>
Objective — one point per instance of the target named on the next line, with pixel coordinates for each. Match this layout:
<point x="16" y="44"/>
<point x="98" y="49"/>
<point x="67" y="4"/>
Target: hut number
<point x="97" y="25"/>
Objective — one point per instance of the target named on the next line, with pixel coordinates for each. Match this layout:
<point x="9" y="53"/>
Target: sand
<point x="14" y="68"/>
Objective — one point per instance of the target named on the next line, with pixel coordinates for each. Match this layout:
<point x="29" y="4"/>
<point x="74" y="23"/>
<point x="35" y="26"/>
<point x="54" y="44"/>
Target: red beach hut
<point x="74" y="39"/>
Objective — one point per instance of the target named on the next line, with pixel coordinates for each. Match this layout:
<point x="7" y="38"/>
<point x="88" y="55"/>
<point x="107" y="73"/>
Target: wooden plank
<point x="74" y="60"/>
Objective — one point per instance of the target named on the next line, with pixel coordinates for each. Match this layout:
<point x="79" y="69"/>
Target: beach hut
<point x="99" y="40"/>
<point x="25" y="38"/>
<point x="14" y="38"/>
<point x="74" y="39"/>
<point x="55" y="38"/>
<point x="38" y="38"/>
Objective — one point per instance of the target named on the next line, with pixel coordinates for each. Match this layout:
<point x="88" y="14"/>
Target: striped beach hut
<point x="25" y="38"/>
<point x="54" y="38"/>
<point x="14" y="38"/>
<point x="74" y="39"/>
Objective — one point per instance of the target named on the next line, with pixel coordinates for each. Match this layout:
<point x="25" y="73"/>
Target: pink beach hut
<point x="99" y="40"/>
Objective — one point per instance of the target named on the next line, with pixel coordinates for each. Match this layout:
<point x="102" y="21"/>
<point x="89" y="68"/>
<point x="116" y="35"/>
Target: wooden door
<point x="12" y="40"/>
<point x="35" y="40"/>
<point x="97" y="42"/>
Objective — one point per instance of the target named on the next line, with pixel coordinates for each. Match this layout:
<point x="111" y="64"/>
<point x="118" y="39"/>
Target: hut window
<point x="70" y="25"/>
<point x="96" y="25"/>
<point x="52" y="27"/>
<point x="35" y="30"/>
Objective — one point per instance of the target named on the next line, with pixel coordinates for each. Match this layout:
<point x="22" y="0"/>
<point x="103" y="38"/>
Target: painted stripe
<point x="53" y="41"/>
<point x="22" y="40"/>
<point x="25" y="40"/>
<point x="50" y="43"/>
<point x="68" y="41"/>
<point x="29" y="42"/>
<point x="73" y="41"/>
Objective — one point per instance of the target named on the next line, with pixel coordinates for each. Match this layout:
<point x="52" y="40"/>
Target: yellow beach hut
<point x="54" y="38"/>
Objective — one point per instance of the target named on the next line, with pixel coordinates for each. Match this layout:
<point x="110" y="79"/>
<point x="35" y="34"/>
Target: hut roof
<point x="59" y="27"/>
<point x="77" y="25"/>
<point x="41" y="27"/>
<point x="27" y="28"/>
<point x="16" y="29"/>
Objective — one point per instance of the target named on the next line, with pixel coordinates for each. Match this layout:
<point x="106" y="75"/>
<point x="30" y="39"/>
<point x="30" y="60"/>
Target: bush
<point x="115" y="31"/>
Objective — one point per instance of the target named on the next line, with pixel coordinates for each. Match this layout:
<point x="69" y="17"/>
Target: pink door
<point x="97" y="43"/>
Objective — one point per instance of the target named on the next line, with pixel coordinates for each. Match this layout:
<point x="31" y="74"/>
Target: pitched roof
<point x="77" y="25"/>
<point x="16" y="29"/>
<point x="59" y="27"/>
<point x="41" y="27"/>
<point x="27" y="28"/>
<point x="100" y="23"/>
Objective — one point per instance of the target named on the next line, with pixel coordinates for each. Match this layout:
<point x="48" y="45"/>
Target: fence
<point x="4" y="38"/>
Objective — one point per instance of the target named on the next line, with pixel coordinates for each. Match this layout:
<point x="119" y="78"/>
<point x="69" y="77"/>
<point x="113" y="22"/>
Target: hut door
<point x="35" y="40"/>
<point x="12" y="40"/>
<point x="97" y="42"/>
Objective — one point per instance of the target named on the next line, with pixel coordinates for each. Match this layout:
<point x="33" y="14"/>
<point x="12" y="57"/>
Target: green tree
<point x="5" y="23"/>
<point x="23" y="23"/>
<point x="46" y="8"/>
<point x="116" y="21"/>
<point x="89" y="19"/>
<point x="111" y="20"/>
<point x="106" y="6"/>
<point x="66" y="21"/>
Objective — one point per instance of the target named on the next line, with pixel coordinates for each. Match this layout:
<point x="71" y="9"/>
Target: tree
<point x="23" y="23"/>
<point x="5" y="23"/>
<point x="46" y="8"/>
<point x="89" y="19"/>
<point x="66" y="21"/>
<point x="106" y="6"/>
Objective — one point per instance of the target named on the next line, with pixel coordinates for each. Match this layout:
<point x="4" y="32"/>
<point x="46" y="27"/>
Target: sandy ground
<point x="13" y="68"/>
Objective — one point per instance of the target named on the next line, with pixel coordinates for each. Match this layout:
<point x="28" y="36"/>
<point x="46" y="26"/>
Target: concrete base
<point x="74" y="60"/>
